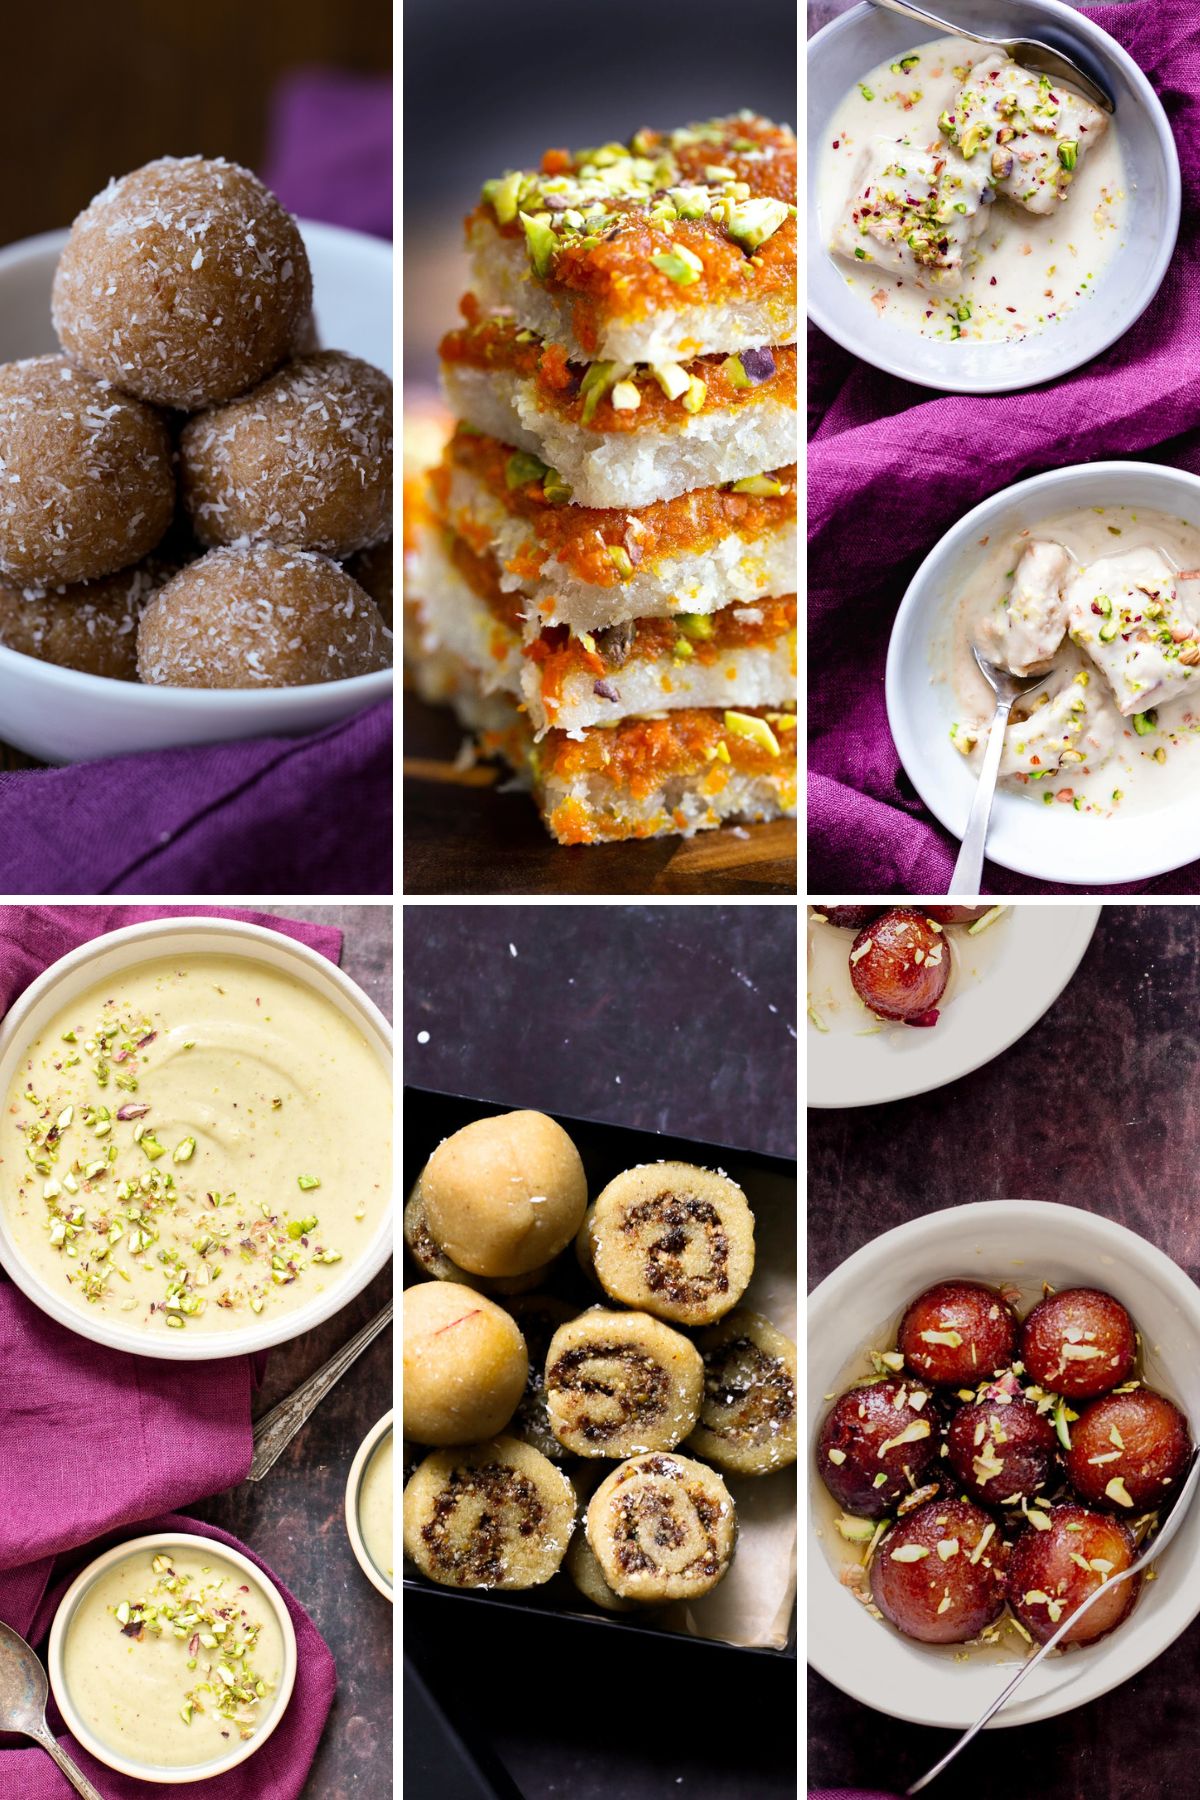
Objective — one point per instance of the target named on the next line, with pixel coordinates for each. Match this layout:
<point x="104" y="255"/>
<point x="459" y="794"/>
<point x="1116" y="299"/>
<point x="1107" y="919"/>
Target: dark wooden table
<point x="672" y="1019"/>
<point x="462" y="836"/>
<point x="1093" y="1108"/>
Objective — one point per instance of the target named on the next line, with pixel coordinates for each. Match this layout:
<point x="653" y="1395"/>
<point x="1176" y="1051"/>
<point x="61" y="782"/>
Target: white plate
<point x="842" y="53"/>
<point x="59" y="715"/>
<point x="1046" y="842"/>
<point x="995" y="1240"/>
<point x="79" y="970"/>
<point x="1023" y="963"/>
<point x="194" y="1544"/>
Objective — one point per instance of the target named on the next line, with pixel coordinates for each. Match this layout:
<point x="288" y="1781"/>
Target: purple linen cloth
<point x="305" y="815"/>
<point x="330" y="155"/>
<point x="265" y="816"/>
<point x="891" y="467"/>
<point x="276" y="1772"/>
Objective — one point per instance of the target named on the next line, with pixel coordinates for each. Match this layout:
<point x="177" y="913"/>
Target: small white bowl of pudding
<point x="172" y="1658"/>
<point x="1093" y="574"/>
<point x="974" y="227"/>
<point x="195" y="1141"/>
<point x="370" y="1507"/>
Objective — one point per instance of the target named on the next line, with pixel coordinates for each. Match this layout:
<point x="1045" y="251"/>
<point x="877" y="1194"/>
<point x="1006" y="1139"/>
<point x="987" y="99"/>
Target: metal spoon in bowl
<point x="1008" y="689"/>
<point x="23" y="1694"/>
<point x="1154" y="1548"/>
<point x="1029" y="52"/>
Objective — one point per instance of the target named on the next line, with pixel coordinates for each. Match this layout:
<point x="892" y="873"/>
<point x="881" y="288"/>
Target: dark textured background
<point x="678" y="1019"/>
<point x="295" y="1518"/>
<point x="1093" y="1108"/>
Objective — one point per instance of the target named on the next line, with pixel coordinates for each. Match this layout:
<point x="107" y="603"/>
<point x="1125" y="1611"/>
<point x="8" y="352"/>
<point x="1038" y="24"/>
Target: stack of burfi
<point x="604" y="576"/>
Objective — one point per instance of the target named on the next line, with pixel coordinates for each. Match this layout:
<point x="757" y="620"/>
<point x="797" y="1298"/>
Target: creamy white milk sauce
<point x="165" y="1655"/>
<point x="375" y="1507"/>
<point x="194" y="1144"/>
<point x="1002" y="1642"/>
<point x="1024" y="271"/>
<point x="831" y="995"/>
<point x="1125" y="769"/>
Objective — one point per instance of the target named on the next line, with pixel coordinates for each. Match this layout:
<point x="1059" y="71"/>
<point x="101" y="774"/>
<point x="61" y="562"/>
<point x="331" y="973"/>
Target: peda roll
<point x="618" y="1383"/>
<point x="675" y="1240"/>
<point x="748" y="1413"/>
<point x="662" y="1528"/>
<point x="493" y="1515"/>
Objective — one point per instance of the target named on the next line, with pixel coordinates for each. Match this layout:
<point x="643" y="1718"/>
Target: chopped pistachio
<point x="619" y="557"/>
<point x="679" y="265"/>
<point x="764" y="485"/>
<point x="306" y="1182"/>
<point x="626" y="396"/>
<point x="695" y="625"/>
<point x="748" y="725"/>
<point x="693" y="400"/>
<point x="521" y="469"/>
<point x="540" y="241"/>
<point x="671" y="379"/>
<point x="752" y="222"/>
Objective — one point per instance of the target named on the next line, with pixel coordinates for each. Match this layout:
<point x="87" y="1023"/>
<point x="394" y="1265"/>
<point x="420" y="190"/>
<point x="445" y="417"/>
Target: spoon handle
<point x="73" y="1773"/>
<point x="276" y="1429"/>
<point x="927" y="18"/>
<point x="968" y="870"/>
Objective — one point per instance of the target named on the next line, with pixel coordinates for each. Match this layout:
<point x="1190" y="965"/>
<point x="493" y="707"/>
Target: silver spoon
<point x="23" y="1694"/>
<point x="1153" y="1549"/>
<point x="1008" y="689"/>
<point x="276" y="1429"/>
<point x="1029" y="52"/>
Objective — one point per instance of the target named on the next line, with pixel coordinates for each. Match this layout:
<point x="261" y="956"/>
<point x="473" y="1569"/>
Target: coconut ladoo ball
<point x="86" y="485"/>
<point x="91" y="626"/>
<point x="304" y="459"/>
<point x="184" y="283"/>
<point x="465" y="1364"/>
<point x="259" y="617"/>
<point x="372" y="569"/>
<point x="505" y="1194"/>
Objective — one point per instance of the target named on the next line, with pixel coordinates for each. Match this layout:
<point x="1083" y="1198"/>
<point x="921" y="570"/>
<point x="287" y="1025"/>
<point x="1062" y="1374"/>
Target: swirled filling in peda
<point x="474" y="1519"/>
<point x="611" y="1386"/>
<point x="689" y="1263"/>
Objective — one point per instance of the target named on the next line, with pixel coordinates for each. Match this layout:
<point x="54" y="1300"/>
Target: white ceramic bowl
<point x="375" y="1575"/>
<point x="842" y="53"/>
<point x="78" y="1727"/>
<point x="81" y="969"/>
<point x="1027" y="1241"/>
<point x="1010" y="975"/>
<point x="59" y="715"/>
<point x="1047" y="842"/>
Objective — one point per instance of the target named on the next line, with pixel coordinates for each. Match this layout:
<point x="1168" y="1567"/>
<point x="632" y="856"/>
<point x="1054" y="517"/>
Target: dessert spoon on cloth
<point x="1153" y="1549"/>
<point x="1008" y="689"/>
<point x="1030" y="53"/>
<point x="24" y="1691"/>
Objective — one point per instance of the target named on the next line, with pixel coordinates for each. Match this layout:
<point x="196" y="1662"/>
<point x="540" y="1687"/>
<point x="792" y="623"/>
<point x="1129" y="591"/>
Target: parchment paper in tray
<point x="753" y="1605"/>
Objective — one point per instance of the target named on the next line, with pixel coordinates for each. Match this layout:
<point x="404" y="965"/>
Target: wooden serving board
<point x="462" y="835"/>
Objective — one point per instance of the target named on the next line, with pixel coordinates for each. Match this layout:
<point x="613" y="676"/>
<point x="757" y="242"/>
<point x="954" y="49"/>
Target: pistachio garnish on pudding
<point x="194" y="1144"/>
<point x="173" y="1657"/>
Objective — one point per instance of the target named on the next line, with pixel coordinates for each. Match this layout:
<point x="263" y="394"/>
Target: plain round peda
<point x="184" y="282"/>
<point x="465" y="1364"/>
<point x="305" y="459"/>
<point x="505" y="1194"/>
<point x="256" y="616"/>
<point x="91" y="626"/>
<point x="86" y="485"/>
<point x="494" y="1515"/>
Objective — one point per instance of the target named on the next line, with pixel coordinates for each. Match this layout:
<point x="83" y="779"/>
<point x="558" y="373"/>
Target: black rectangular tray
<point x="606" y="1150"/>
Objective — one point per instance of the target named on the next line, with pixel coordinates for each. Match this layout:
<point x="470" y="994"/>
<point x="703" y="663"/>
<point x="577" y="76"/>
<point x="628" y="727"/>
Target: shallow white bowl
<point x="80" y="1730"/>
<point x="1025" y="960"/>
<point x="842" y="53"/>
<point x="358" y="1468"/>
<point x="182" y="937"/>
<point x="59" y="715"/>
<point x="1050" y="843"/>
<point x="993" y="1241"/>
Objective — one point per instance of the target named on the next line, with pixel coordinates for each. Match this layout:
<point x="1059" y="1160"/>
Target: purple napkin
<point x="276" y="1772"/>
<point x="275" y="815"/>
<point x="891" y="467"/>
<point x="265" y="816"/>
<point x="330" y="155"/>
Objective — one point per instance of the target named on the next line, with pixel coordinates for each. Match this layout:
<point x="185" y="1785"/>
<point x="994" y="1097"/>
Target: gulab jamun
<point x="86" y="484"/>
<point x="879" y="1443"/>
<point x="938" y="1575"/>
<point x="899" y="965"/>
<point x="848" y="918"/>
<point x="1079" y="1342"/>
<point x="957" y="1333"/>
<point x="1128" y="1451"/>
<point x="1001" y="1449"/>
<point x="184" y="282"/>
<point x="1052" y="1571"/>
